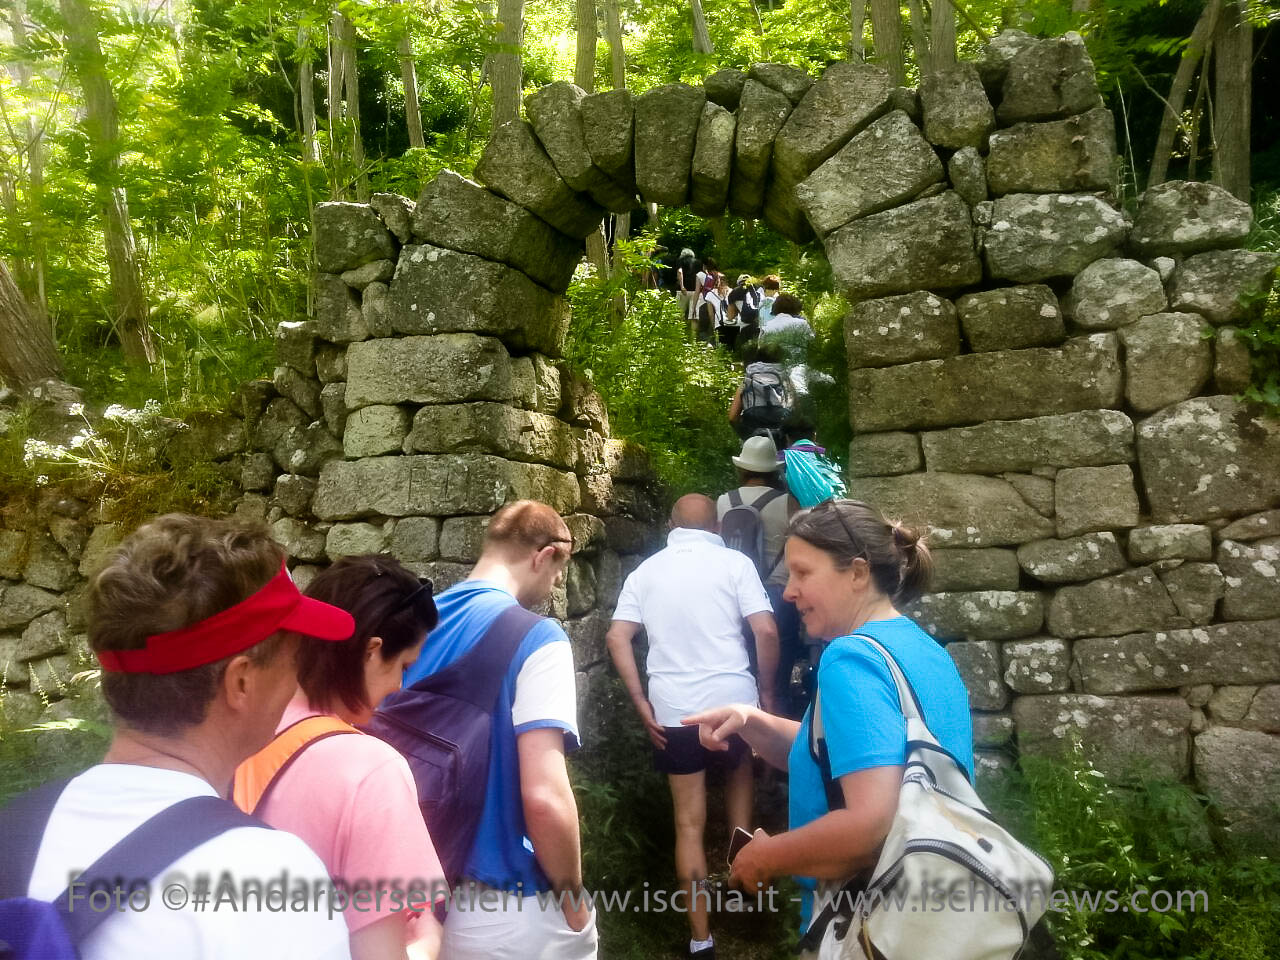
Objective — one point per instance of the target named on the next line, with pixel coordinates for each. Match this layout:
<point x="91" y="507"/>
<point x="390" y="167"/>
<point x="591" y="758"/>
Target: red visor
<point x="277" y="606"/>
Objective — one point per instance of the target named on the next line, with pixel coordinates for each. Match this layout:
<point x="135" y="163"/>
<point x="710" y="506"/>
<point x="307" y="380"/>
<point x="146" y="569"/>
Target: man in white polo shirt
<point x="691" y="599"/>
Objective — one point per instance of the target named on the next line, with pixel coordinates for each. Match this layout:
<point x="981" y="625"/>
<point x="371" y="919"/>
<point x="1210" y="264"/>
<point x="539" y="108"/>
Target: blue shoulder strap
<point x="140" y="856"/>
<point x="476" y="676"/>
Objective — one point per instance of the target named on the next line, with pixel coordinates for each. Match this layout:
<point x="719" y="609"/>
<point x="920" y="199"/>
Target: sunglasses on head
<point x="409" y="599"/>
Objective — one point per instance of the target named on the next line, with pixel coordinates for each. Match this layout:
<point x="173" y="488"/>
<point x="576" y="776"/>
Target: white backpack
<point x="949" y="883"/>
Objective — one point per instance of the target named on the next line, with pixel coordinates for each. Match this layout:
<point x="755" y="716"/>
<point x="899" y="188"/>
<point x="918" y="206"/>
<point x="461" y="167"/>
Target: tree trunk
<point x="942" y="34"/>
<point x="1233" y="91"/>
<point x="353" y="111"/>
<point x="409" y="79"/>
<point x="337" y="73"/>
<point x="90" y="66"/>
<point x="584" y="75"/>
<point x="31" y="273"/>
<point x="920" y="38"/>
<point x="1198" y="106"/>
<point x="857" y="23"/>
<point x="507" y="83"/>
<point x="617" y="56"/>
<point x="29" y="353"/>
<point x="1201" y="37"/>
<point x="584" y="67"/>
<point x="701" y="38"/>
<point x="307" y="97"/>
<point x="886" y="32"/>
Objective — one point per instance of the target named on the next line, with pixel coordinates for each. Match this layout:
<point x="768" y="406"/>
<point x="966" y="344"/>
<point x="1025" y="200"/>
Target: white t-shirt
<point x="785" y="323"/>
<point x="691" y="598"/>
<point x="106" y="802"/>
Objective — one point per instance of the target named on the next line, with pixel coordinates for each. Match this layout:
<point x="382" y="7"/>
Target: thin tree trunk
<point x="618" y="72"/>
<point x="942" y="34"/>
<point x="701" y="38"/>
<point x="617" y="55"/>
<point x="409" y="79"/>
<point x="1198" y="107"/>
<point x="31" y="273"/>
<point x="337" y="73"/>
<point x="886" y="31"/>
<point x="584" y="67"/>
<point x="1171" y="120"/>
<point x="920" y="38"/>
<point x="87" y="61"/>
<point x="29" y="353"/>
<point x="1233" y="91"/>
<point x="755" y="8"/>
<point x="353" y="112"/>
<point x="857" y="23"/>
<point x="307" y="97"/>
<point x="584" y="75"/>
<point x="507" y="83"/>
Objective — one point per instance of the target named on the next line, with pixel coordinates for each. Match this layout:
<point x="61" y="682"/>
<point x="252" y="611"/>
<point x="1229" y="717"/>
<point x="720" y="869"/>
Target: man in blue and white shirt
<point x="528" y="840"/>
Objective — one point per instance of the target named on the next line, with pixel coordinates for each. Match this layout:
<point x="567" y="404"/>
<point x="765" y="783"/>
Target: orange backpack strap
<point x="256" y="776"/>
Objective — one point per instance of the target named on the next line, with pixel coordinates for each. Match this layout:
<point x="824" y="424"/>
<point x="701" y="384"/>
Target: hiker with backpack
<point x="763" y="401"/>
<point x="880" y="768"/>
<point x="686" y="287"/>
<point x="716" y="308"/>
<point x="709" y="301"/>
<point x="691" y="599"/>
<point x="744" y="309"/>
<point x="487" y="713"/>
<point x="351" y="796"/>
<point x="753" y="520"/>
<point x="770" y="286"/>
<point x="195" y="623"/>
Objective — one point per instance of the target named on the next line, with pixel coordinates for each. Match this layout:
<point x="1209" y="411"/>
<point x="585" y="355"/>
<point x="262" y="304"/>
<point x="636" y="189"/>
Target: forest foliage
<point x="212" y="151"/>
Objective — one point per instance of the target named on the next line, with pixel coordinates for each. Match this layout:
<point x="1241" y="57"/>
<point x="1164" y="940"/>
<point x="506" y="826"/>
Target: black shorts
<point x="684" y="752"/>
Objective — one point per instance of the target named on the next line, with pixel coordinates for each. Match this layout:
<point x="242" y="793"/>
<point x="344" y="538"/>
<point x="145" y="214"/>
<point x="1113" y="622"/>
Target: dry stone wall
<point x="1050" y="386"/>
<point x="428" y="391"/>
<point x="1044" y="380"/>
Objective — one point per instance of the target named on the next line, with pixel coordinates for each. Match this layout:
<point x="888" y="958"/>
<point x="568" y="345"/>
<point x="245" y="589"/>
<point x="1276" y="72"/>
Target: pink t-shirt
<point x="352" y="799"/>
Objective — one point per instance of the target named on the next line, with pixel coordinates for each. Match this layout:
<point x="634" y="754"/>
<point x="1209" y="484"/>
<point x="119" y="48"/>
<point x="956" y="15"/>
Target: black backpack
<point x="747" y="300"/>
<point x="766" y="395"/>
<point x="742" y="529"/>
<point x="442" y="726"/>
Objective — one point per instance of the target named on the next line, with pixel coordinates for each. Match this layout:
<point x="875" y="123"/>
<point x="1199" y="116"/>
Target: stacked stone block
<point x="428" y="390"/>
<point x="1050" y="388"/>
<point x="50" y="547"/>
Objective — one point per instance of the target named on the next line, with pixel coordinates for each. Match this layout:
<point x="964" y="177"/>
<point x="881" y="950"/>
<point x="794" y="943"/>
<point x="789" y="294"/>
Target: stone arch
<point x="1029" y="375"/>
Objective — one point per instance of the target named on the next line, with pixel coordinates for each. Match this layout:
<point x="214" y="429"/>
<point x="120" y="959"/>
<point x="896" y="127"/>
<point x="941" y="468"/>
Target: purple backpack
<point x="41" y="930"/>
<point x="442" y="726"/>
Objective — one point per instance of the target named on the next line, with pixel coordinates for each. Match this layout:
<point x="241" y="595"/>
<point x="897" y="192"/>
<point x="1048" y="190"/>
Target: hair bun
<point x="904" y="536"/>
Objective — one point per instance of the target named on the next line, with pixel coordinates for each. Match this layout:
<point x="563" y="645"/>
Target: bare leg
<point x="689" y="797"/>
<point x="739" y="794"/>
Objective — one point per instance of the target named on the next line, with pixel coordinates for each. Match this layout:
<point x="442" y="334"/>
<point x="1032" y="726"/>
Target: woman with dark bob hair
<point x="849" y="573"/>
<point x="352" y="797"/>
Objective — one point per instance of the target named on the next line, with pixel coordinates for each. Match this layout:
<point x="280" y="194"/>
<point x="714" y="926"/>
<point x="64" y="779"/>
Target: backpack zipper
<point x="957" y="854"/>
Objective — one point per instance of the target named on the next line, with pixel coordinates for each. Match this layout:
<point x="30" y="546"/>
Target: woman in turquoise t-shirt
<point x="849" y="571"/>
